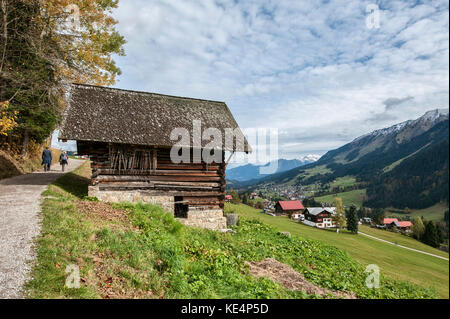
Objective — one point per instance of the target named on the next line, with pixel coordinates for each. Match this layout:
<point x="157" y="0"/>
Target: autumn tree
<point x="46" y="45"/>
<point x="235" y="196"/>
<point x="418" y="228"/>
<point x="339" y="217"/>
<point x="85" y="36"/>
<point x="7" y="119"/>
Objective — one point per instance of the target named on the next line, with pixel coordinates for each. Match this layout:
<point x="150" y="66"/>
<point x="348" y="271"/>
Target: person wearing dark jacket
<point x="46" y="159"/>
<point x="63" y="160"/>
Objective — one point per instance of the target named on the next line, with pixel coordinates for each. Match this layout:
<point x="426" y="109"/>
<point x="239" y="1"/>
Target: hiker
<point x="46" y="159"/>
<point x="63" y="160"/>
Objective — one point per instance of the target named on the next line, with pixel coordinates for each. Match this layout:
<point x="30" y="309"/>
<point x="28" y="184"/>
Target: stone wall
<point x="166" y="202"/>
<point x="204" y="218"/>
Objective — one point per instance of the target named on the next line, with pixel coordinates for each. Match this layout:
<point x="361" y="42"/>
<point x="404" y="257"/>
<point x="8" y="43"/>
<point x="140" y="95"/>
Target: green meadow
<point x="394" y="262"/>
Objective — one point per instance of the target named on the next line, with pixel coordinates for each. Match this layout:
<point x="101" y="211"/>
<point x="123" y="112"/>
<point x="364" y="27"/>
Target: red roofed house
<point x="405" y="225"/>
<point x="289" y="207"/>
<point x="388" y="221"/>
<point x="393" y="222"/>
<point x="228" y="198"/>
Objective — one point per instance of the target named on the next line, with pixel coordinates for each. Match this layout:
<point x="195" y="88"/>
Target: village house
<point x="320" y="217"/>
<point x="403" y="225"/>
<point x="288" y="207"/>
<point x="228" y="198"/>
<point x="253" y="196"/>
<point x="392" y="223"/>
<point x="128" y="137"/>
<point x="387" y="222"/>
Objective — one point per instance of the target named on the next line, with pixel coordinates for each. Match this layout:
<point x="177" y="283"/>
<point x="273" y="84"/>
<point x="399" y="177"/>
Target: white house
<point x="320" y="217"/>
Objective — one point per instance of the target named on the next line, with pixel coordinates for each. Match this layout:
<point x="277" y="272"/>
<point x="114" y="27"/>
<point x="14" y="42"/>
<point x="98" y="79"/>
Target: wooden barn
<point x="129" y="137"/>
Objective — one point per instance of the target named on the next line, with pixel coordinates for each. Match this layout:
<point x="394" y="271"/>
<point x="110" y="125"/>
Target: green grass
<point x="394" y="262"/>
<point x="355" y="197"/>
<point x="401" y="240"/>
<point x="321" y="169"/>
<point x="434" y="213"/>
<point x="343" y="181"/>
<point x="140" y="251"/>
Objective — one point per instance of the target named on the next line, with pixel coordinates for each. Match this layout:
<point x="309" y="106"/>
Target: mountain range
<point x="252" y="171"/>
<point x="405" y="165"/>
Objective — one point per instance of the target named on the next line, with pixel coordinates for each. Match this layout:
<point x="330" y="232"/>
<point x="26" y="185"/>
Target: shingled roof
<point x="103" y="114"/>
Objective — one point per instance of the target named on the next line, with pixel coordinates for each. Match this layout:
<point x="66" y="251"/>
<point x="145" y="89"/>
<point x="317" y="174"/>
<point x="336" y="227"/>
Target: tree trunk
<point x="4" y="33"/>
<point x="26" y="140"/>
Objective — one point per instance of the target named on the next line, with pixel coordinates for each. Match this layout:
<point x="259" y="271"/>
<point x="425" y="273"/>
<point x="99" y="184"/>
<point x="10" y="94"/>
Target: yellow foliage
<point x="7" y="120"/>
<point x="87" y="36"/>
<point x="339" y="217"/>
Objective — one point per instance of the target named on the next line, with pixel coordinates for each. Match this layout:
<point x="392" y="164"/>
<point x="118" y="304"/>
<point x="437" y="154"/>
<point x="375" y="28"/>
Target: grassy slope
<point x="435" y="212"/>
<point x="343" y="181"/>
<point x="355" y="197"/>
<point x="140" y="251"/>
<point x="394" y="262"/>
<point x="401" y="240"/>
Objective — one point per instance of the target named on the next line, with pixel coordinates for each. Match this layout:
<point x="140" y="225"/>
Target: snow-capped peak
<point x="309" y="158"/>
<point x="385" y="131"/>
<point x="433" y="115"/>
<point x="430" y="117"/>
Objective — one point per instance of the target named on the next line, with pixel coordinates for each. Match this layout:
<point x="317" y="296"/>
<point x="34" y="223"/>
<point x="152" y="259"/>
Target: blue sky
<point x="312" y="69"/>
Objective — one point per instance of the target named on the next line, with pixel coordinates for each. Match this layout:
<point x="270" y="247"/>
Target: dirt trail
<point x="20" y="203"/>
<point x="291" y="279"/>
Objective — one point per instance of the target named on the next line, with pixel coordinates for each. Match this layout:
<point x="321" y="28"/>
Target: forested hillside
<point x="417" y="182"/>
<point x="405" y="165"/>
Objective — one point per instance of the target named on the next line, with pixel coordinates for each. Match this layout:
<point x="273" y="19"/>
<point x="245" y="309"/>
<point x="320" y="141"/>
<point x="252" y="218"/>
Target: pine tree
<point x="352" y="220"/>
<point x="245" y="198"/>
<point x="439" y="234"/>
<point x="379" y="216"/>
<point x="431" y="236"/>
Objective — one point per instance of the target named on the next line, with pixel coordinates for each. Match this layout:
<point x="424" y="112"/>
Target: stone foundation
<point x="166" y="202"/>
<point x="204" y="218"/>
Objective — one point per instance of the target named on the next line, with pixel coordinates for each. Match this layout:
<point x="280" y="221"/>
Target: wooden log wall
<point x="128" y="167"/>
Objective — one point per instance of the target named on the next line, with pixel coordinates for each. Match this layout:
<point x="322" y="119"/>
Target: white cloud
<point x="312" y="69"/>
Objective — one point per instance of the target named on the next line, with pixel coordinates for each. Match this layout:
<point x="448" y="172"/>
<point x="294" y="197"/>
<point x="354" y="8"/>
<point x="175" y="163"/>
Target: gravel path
<point x="20" y="204"/>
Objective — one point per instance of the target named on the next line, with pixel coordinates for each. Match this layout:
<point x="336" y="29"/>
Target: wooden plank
<point x="157" y="192"/>
<point x="162" y="178"/>
<point x="179" y="172"/>
<point x="154" y="159"/>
